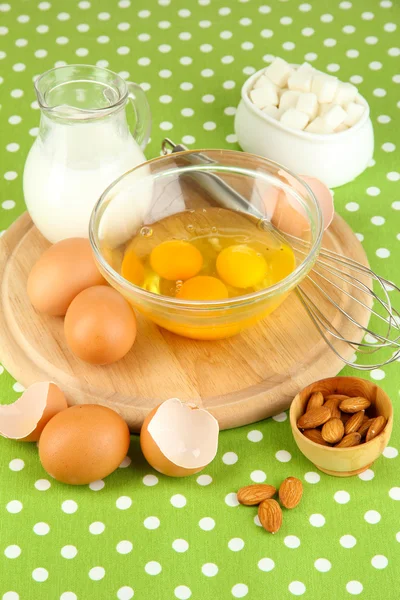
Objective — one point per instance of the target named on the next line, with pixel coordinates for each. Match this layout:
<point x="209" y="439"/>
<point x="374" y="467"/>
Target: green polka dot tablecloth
<point x="139" y="534"/>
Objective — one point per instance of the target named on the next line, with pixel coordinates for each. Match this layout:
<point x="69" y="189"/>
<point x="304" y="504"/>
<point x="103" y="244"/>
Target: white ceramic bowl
<point x="335" y="158"/>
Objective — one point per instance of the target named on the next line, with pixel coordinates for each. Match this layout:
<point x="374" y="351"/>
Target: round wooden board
<point x="240" y="380"/>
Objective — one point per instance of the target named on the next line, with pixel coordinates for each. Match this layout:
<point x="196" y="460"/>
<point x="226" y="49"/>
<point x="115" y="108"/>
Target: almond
<point x="377" y="426"/>
<point x="353" y="405"/>
<point x="316" y="400"/>
<point x="290" y="492"/>
<point x="352" y="439"/>
<point x="315" y="436"/>
<point x="344" y="417"/>
<point x="364" y="427"/>
<point x="314" y="417"/>
<point x="333" y="404"/>
<point x="270" y="515"/>
<point x="254" y="494"/>
<point x="355" y="422"/>
<point x="333" y="431"/>
<point x="336" y="397"/>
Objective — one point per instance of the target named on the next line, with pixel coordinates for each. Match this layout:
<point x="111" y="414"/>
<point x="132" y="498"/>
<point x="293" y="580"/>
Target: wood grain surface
<point x="240" y="380"/>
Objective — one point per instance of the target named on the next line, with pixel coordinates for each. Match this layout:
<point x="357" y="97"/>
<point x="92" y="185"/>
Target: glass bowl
<point x="203" y="180"/>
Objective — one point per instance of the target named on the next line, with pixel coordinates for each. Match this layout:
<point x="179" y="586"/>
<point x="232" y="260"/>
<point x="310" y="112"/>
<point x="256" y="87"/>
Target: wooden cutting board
<point x="240" y="380"/>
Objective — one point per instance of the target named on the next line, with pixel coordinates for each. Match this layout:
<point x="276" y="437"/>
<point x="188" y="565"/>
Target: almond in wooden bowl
<point x="346" y="460"/>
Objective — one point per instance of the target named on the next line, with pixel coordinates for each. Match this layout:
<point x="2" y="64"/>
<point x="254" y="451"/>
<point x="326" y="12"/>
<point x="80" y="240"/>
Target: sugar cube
<point x="295" y="119"/>
<point x="279" y="72"/>
<point x="308" y="103"/>
<point x="262" y="81"/>
<point x="334" y="116"/>
<point x="324" y="86"/>
<point x="318" y="126"/>
<point x="272" y="111"/>
<point x="288" y="100"/>
<point x="342" y="127"/>
<point x="323" y="109"/>
<point x="263" y="96"/>
<point x="301" y="79"/>
<point x="354" y="113"/>
<point x="345" y="93"/>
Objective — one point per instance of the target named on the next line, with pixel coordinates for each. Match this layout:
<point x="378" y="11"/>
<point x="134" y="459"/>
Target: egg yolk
<point x="281" y="263"/>
<point x="176" y="259"/>
<point x="132" y="268"/>
<point x="241" y="266"/>
<point x="203" y="287"/>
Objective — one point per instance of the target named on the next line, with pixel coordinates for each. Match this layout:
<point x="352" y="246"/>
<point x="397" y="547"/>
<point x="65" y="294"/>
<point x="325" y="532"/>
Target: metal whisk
<point x="335" y="283"/>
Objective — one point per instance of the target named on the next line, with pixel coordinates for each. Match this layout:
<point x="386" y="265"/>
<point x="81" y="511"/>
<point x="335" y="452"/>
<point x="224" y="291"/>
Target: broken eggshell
<point x="179" y="439"/>
<point x="24" y="420"/>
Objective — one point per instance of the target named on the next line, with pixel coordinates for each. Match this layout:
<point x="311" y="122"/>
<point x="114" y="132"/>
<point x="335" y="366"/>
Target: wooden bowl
<point x="343" y="462"/>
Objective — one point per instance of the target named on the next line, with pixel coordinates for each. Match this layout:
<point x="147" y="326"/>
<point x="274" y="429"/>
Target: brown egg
<point x="63" y="270"/>
<point x="83" y="444"/>
<point x="100" y="326"/>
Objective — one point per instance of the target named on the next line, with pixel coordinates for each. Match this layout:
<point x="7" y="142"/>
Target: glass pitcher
<point x="83" y="145"/>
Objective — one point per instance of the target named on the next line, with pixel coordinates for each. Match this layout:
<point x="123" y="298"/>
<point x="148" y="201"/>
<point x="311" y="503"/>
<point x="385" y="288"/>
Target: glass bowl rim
<point x="273" y="290"/>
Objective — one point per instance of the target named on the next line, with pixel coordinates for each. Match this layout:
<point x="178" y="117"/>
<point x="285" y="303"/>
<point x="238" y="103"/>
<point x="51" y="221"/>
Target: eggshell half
<point x="24" y="420"/>
<point x="178" y="439"/>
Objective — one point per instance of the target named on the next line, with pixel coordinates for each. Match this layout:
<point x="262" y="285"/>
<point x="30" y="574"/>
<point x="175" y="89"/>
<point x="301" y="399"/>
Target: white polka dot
<point x="384" y="119"/>
<point x="187" y="112"/>
<point x="205" y="24"/>
<point x="204" y="479"/>
<point x="390" y="452"/>
<point x="352" y="206"/>
<point x="378" y="220"/>
<point x="144" y="61"/>
<point x="150" y="480"/>
<point x="17" y="464"/>
<point x="142" y="37"/>
<point x="10" y="596"/>
<point x="393" y="176"/>
<point x="348" y="541"/>
<point x="180" y="545"/>
<point x="182" y="592"/>
<point x="307" y="31"/>
<point x="373" y="191"/>
<point x="63" y="16"/>
<point x="97" y="527"/>
<point x="394" y="51"/>
<point x="122" y="50"/>
<point x="69" y="552"/>
<point x="354" y="588"/>
<point x="209" y="569"/>
<point x="124" y="75"/>
<point x="18" y="67"/>
<point x="383" y="253"/>
<point x="23" y="19"/>
<point x="267" y="33"/>
<point x="323" y="565"/>
<point x="14" y="507"/>
<point x="82" y="52"/>
<point x="264" y="10"/>
<point x="178" y="500"/>
<point x="247" y="46"/>
<point x="84" y="5"/>
<point x="126" y="26"/>
<point x="245" y="21"/>
<point x="165" y="73"/>
<point x="166" y="125"/>
<point x="125" y="593"/>
<point x="379" y="92"/>
<point x="291" y="541"/>
<point x="326" y="18"/>
<point x="286" y="21"/>
<point x="371" y="40"/>
<point x="352" y="53"/>
<point x="255" y="436"/>
<point x="375" y="65"/>
<point x="310" y="56"/>
<point x="69" y="507"/>
<point x="283" y="456"/>
<point x="297" y="588"/>
<point x="239" y="590"/>
<point x="249" y="70"/>
<point x="184" y="13"/>
<point x="225" y="35"/>
<point x="394" y="493"/>
<point x="230" y="458"/>
<point x="208" y="98"/>
<point x="14" y="120"/>
<point x="10" y="175"/>
<point x="21" y="43"/>
<point x="145" y="86"/>
<point x="8" y="204"/>
<point x="124" y="547"/>
<point x="372" y="517"/>
<point x="164" y="24"/>
<point x="266" y="564"/>
<point x="367" y="475"/>
<point x="83" y="27"/>
<point x="206" y="523"/>
<point x="209" y="125"/>
<point x="356" y="79"/>
<point x="388" y="147"/>
<point x="288" y="45"/>
<point x="224" y="11"/>
<point x="379" y="561"/>
<point x="386" y="4"/>
<point x="367" y="16"/>
<point x="124" y="502"/>
<point x="41" y="528"/>
<point x="228" y="59"/>
<point x="40" y="53"/>
<point x="280" y="418"/>
<point x="312" y="477"/>
<point x="257" y="521"/>
<point x="12" y="551"/>
<point x="42" y="485"/>
<point x="97" y="573"/>
<point x="231" y="499"/>
<point x="151" y="522"/>
<point x="40" y="574"/>
<point x="126" y="462"/>
<point x="345" y="5"/>
<point x="153" y="568"/>
<point x="258" y="476"/>
<point x="333" y="67"/>
<point x="317" y="520"/>
<point x="390" y="27"/>
<point x="342" y="497"/>
<point x="236" y="544"/>
<point x="206" y="48"/>
<point x="68" y="596"/>
<point x="188" y="139"/>
<point x="207" y="73"/>
<point x="305" y="7"/>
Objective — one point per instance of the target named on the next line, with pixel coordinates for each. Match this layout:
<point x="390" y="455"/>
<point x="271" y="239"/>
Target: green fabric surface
<point x="139" y="534"/>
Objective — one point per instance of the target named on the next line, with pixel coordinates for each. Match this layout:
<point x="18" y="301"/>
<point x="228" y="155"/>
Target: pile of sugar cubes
<point x="304" y="98"/>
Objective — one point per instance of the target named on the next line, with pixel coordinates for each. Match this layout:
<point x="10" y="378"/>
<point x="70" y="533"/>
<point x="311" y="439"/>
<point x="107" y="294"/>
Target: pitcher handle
<point x="141" y="107"/>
